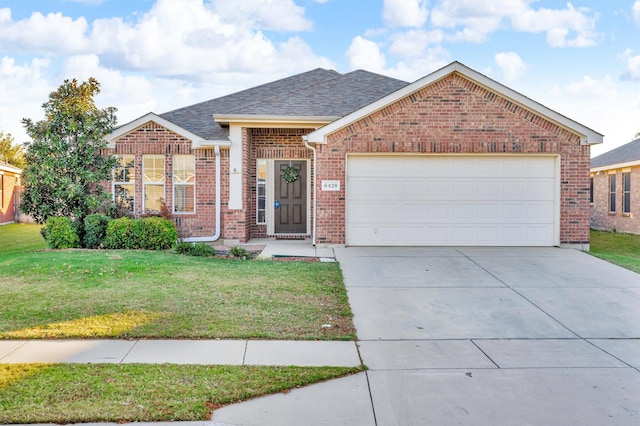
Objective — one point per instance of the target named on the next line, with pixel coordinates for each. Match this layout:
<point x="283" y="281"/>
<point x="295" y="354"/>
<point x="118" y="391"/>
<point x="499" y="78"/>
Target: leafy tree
<point x="65" y="164"/>
<point x="10" y="153"/>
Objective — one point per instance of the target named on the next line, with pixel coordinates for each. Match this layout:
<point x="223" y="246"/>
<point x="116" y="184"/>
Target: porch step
<point x="292" y="237"/>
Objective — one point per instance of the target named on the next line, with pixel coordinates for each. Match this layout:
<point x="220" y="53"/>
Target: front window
<point x="153" y="172"/>
<point x="184" y="179"/>
<point x="591" y="190"/>
<point x="261" y="176"/>
<point x="612" y="193"/>
<point x="626" y="193"/>
<point x="124" y="178"/>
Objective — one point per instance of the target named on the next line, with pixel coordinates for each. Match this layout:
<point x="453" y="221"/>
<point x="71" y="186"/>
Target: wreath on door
<point x="290" y="174"/>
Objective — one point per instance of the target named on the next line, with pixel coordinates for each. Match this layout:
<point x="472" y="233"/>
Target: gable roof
<point x="587" y="135"/>
<point x="625" y="155"/>
<point x="6" y="167"/>
<point x="320" y="93"/>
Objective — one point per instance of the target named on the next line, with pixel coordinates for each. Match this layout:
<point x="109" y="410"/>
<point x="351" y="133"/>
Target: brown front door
<point x="291" y="199"/>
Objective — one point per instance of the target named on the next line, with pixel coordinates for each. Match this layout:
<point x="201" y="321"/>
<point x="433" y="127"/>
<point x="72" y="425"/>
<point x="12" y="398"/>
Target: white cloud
<point x="23" y="88"/>
<point x="599" y="103"/>
<point x="511" y="65"/>
<point x="405" y="13"/>
<point x="188" y="38"/>
<point x="475" y="20"/>
<point x="633" y="65"/>
<point x="590" y="87"/>
<point x="414" y="42"/>
<point x="276" y="15"/>
<point x="559" y="24"/>
<point x="365" y="54"/>
<point x="45" y="34"/>
<point x="419" y="66"/>
<point x="90" y="2"/>
<point x="636" y="11"/>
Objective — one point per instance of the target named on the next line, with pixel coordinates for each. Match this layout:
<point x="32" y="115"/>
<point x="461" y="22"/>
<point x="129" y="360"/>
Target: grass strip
<point x="620" y="249"/>
<point x="75" y="393"/>
<point x="146" y="294"/>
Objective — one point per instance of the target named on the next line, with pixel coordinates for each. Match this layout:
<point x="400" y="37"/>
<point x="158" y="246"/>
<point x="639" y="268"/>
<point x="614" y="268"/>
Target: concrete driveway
<point x="477" y="336"/>
<point x="496" y="336"/>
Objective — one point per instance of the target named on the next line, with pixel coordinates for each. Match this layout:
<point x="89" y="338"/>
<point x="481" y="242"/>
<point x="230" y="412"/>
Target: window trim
<point x="612" y="192"/>
<point x="153" y="183"/>
<point x="114" y="182"/>
<point x="175" y="184"/>
<point x="626" y="193"/>
<point x="261" y="183"/>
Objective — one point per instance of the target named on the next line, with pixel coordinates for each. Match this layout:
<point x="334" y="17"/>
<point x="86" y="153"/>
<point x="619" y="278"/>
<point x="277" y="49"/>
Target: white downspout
<point x="216" y="236"/>
<point x="315" y="198"/>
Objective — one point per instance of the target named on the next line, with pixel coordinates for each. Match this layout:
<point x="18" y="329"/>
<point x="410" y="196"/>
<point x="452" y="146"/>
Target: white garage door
<point x="452" y="200"/>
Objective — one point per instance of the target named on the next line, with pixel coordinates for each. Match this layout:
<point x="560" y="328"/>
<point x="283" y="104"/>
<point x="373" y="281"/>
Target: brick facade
<point x="10" y="187"/>
<point x="601" y="217"/>
<point x="456" y="116"/>
<point x="236" y="224"/>
<point x="453" y="115"/>
<point x="155" y="139"/>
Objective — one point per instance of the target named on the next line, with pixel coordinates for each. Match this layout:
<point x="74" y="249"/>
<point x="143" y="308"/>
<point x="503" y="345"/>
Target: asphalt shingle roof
<point x="318" y="92"/>
<point x="623" y="154"/>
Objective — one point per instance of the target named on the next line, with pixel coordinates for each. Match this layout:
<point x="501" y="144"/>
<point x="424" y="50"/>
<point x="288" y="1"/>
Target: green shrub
<point x="149" y="233"/>
<point x="120" y="234"/>
<point x="59" y="233"/>
<point x="182" y="248"/>
<point x="158" y="233"/>
<point x="198" y="249"/>
<point x="95" y="229"/>
<point x="239" y="252"/>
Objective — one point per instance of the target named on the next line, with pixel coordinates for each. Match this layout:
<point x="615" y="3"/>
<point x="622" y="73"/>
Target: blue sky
<point x="581" y="58"/>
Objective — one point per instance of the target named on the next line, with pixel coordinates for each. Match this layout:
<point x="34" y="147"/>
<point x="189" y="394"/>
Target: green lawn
<point x="621" y="249"/>
<point x="74" y="393"/>
<point x="141" y="294"/>
<point x="145" y="294"/>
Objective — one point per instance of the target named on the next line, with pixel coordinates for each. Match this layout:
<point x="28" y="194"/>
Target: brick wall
<point x="601" y="218"/>
<point x="155" y="139"/>
<point x="283" y="143"/>
<point x="7" y="204"/>
<point x="455" y="116"/>
<point x="236" y="224"/>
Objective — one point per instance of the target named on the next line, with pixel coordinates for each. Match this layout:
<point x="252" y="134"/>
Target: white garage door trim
<point x="453" y="200"/>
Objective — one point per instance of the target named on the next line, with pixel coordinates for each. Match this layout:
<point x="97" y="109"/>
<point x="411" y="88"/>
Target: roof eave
<point x="587" y="135"/>
<point x="313" y="121"/>
<point x="10" y="169"/>
<point x="196" y="141"/>
<point x="615" y="166"/>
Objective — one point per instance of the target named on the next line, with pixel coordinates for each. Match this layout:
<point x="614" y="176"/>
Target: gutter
<point x="305" y="140"/>
<point x="216" y="236"/>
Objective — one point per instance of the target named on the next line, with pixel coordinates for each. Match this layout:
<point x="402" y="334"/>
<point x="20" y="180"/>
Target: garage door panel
<point x="451" y="200"/>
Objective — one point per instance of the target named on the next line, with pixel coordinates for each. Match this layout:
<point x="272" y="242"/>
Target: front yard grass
<point x="620" y="249"/>
<point x="74" y="393"/>
<point x="142" y="294"/>
<point x="58" y="294"/>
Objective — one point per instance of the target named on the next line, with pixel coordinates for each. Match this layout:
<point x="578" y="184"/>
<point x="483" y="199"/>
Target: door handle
<point x="276" y="204"/>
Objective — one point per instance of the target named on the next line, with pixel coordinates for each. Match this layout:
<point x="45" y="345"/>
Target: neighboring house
<point x="9" y="192"/>
<point x="615" y="189"/>
<point x="454" y="158"/>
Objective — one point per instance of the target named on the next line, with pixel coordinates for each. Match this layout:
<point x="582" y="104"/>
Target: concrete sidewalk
<point x="229" y="352"/>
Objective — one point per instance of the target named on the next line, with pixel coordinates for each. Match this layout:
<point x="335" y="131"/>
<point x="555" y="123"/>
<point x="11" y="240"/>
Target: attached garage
<point x="453" y="200"/>
<point x="453" y="159"/>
